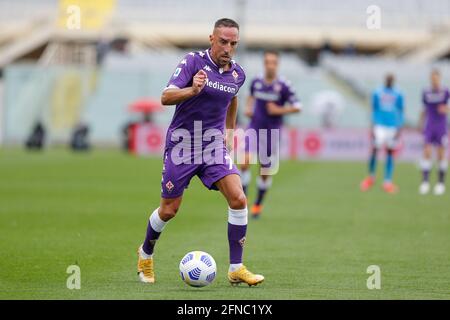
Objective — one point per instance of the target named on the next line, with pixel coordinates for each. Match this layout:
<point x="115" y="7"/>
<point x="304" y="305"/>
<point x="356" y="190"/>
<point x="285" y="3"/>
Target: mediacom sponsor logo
<point x="221" y="87"/>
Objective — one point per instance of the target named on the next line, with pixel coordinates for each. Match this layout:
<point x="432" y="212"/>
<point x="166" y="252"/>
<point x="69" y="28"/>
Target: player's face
<point x="271" y="65"/>
<point x="224" y="41"/>
<point x="435" y="80"/>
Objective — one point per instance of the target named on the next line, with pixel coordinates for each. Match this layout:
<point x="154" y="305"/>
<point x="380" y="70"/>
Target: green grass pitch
<point x="315" y="240"/>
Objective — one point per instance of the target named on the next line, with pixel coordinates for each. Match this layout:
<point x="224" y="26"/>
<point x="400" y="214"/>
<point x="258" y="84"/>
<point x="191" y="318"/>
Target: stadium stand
<point x="66" y="77"/>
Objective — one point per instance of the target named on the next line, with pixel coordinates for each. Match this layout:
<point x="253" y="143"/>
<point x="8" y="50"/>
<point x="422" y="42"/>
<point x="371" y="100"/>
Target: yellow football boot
<point x="145" y="269"/>
<point x="245" y="276"/>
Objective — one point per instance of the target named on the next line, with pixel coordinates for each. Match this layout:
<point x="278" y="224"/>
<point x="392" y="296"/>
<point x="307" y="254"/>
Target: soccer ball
<point x="198" y="269"/>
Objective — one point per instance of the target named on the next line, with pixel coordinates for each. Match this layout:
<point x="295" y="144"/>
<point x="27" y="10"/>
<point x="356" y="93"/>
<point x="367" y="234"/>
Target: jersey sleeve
<point x="424" y="102"/>
<point x="184" y="72"/>
<point x="241" y="80"/>
<point x="289" y="96"/>
<point x="252" y="87"/>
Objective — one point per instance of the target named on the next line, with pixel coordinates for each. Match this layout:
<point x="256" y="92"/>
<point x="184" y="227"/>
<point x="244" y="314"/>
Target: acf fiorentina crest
<point x="169" y="186"/>
<point x="277" y="87"/>
<point x="235" y="75"/>
<point x="242" y="242"/>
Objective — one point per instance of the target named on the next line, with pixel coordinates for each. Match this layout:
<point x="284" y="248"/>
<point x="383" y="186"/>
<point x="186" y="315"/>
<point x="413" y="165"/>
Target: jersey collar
<point x="436" y="90"/>
<point x="220" y="70"/>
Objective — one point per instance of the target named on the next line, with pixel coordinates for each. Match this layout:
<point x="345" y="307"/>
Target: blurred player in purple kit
<point x="433" y="123"/>
<point x="270" y="99"/>
<point x="203" y="88"/>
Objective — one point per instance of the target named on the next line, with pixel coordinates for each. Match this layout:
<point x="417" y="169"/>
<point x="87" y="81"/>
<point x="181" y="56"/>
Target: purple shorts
<point x="176" y="176"/>
<point x="436" y="137"/>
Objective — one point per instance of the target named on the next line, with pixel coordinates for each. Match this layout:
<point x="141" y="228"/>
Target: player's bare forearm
<point x="275" y="110"/>
<point x="249" y="106"/>
<point x="230" y="123"/>
<point x="294" y="108"/>
<point x="232" y="114"/>
<point x="443" y="109"/>
<point x="175" y="96"/>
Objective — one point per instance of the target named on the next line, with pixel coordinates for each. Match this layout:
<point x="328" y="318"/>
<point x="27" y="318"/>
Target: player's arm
<point x="401" y="120"/>
<point x="275" y="110"/>
<point x="401" y="109"/>
<point x="174" y="95"/>
<point x="374" y="111"/>
<point x="444" y="109"/>
<point x="422" y="114"/>
<point x="290" y="103"/>
<point x="230" y="122"/>
<point x="249" y="106"/>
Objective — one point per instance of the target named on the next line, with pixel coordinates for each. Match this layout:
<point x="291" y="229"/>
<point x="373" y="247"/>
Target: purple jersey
<point x="279" y="92"/>
<point x="211" y="104"/>
<point x="432" y="99"/>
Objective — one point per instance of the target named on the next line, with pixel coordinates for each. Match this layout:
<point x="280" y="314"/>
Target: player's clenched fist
<point x="199" y="81"/>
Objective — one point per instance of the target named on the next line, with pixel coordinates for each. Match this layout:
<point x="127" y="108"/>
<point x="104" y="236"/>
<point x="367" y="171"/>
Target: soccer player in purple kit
<point x="433" y="124"/>
<point x="203" y="88"/>
<point x="270" y="99"/>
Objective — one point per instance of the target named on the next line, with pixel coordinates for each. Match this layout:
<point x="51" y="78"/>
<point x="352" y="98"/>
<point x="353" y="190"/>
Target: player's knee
<point x="427" y="152"/>
<point x="238" y="201"/>
<point x="168" y="212"/>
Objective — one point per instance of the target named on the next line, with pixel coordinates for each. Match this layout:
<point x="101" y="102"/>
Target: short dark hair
<point x="389" y="80"/>
<point x="226" y="22"/>
<point x="271" y="51"/>
<point x="436" y="71"/>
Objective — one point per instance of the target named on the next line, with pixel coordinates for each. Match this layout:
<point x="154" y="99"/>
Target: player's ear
<point x="211" y="39"/>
